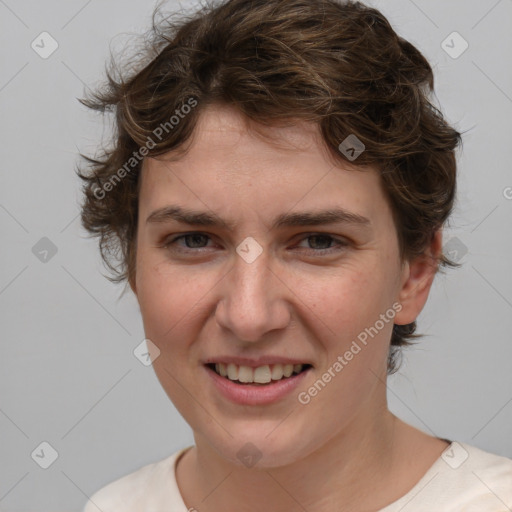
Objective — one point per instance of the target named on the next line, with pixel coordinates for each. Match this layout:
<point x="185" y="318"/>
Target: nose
<point x="253" y="300"/>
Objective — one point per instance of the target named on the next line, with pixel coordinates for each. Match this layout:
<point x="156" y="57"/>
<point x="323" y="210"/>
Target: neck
<point x="354" y="470"/>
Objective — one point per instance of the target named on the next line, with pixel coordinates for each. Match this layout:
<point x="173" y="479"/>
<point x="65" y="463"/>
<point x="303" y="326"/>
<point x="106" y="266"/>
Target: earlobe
<point x="418" y="276"/>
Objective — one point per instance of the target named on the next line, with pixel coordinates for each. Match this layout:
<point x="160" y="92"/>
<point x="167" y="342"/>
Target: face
<point x="260" y="285"/>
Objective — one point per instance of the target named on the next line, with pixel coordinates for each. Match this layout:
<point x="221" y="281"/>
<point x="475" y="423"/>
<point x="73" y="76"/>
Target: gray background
<point x="68" y="374"/>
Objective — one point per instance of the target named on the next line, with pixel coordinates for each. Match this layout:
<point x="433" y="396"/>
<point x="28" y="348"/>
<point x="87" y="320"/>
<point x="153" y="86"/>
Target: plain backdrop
<point x="68" y="374"/>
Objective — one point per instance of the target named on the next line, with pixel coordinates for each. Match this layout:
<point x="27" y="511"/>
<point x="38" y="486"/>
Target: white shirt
<point x="463" y="479"/>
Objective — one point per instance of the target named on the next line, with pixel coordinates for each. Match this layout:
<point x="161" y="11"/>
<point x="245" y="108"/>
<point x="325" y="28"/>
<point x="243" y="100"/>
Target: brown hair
<point x="338" y="64"/>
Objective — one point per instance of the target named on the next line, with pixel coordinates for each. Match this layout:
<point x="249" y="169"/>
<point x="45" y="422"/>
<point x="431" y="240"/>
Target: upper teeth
<point x="260" y="374"/>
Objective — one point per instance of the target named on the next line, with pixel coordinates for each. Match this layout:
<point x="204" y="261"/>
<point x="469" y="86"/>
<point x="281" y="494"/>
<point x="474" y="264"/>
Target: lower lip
<point x="247" y="394"/>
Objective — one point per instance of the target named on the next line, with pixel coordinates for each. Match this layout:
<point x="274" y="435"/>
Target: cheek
<point x="165" y="302"/>
<point x="161" y="293"/>
<point x="350" y="310"/>
<point x="352" y="298"/>
<point x="341" y="303"/>
<point x="356" y="344"/>
<point x="172" y="301"/>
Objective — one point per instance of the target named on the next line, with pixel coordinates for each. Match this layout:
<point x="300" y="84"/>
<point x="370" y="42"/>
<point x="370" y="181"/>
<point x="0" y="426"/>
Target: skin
<point x="344" y="449"/>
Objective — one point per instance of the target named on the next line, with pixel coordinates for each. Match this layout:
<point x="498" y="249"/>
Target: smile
<point x="263" y="384"/>
<point x="262" y="375"/>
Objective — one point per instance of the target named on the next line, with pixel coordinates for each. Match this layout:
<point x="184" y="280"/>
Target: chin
<point x="262" y="448"/>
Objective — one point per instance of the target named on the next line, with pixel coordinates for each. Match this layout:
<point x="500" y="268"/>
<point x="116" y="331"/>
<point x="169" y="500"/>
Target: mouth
<point x="263" y="375"/>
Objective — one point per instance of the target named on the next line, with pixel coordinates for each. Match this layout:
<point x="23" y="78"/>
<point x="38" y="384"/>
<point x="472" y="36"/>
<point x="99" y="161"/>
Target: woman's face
<point x="262" y="294"/>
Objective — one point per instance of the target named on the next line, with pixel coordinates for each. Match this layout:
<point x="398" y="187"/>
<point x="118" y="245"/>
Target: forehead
<point x="226" y="125"/>
<point x="232" y="162"/>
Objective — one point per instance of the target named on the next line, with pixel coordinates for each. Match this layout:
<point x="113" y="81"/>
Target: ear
<point x="418" y="275"/>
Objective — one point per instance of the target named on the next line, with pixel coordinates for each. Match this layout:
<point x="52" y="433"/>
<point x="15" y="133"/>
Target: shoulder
<point x="463" y="479"/>
<point x="474" y="479"/>
<point x="151" y="483"/>
<point x="479" y="462"/>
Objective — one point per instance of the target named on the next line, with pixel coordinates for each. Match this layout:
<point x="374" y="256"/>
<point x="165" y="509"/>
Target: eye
<point x="195" y="242"/>
<point x="324" y="241"/>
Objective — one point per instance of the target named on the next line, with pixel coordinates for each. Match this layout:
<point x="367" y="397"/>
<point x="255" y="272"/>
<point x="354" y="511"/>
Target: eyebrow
<point x="307" y="218"/>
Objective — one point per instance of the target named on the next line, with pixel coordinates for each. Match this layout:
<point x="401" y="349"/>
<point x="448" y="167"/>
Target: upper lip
<point x="255" y="362"/>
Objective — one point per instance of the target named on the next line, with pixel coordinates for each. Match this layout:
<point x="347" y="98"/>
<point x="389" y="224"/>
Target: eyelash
<point x="341" y="244"/>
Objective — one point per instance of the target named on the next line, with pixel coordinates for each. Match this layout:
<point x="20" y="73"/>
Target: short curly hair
<point x="338" y="64"/>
